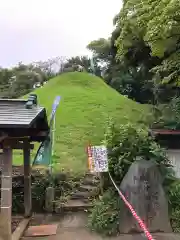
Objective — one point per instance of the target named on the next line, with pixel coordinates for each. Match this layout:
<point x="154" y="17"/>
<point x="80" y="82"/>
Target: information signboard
<point x="98" y="158"/>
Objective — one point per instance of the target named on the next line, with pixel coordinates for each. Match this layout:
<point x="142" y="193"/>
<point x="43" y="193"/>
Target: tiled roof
<point x="14" y="113"/>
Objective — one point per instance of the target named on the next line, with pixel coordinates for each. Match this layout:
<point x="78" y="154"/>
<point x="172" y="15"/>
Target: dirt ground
<point x="73" y="226"/>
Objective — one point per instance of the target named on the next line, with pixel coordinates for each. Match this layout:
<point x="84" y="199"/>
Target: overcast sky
<point x="32" y="30"/>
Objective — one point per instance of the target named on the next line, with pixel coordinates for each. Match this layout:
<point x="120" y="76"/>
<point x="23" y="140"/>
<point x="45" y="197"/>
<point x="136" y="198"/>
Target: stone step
<point x="86" y="200"/>
<point x="87" y="188"/>
<point x="73" y="206"/>
<point x="91" y="176"/>
<point x="81" y="195"/>
<point x="90" y="181"/>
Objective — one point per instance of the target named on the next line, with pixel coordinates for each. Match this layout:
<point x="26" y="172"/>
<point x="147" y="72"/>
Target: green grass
<point x="86" y="104"/>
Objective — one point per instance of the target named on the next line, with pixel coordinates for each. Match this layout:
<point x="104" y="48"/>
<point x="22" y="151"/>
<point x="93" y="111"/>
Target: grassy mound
<point x="86" y="104"/>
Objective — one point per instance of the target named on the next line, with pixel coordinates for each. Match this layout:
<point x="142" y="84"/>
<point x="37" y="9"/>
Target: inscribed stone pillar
<point x="142" y="186"/>
<point x="6" y="195"/>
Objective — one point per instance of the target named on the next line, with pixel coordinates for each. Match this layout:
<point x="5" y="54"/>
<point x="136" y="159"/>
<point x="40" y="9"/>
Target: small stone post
<point x="49" y="201"/>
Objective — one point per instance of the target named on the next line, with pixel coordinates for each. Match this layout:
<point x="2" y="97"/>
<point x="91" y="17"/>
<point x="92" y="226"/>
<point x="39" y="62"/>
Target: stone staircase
<point x="81" y="199"/>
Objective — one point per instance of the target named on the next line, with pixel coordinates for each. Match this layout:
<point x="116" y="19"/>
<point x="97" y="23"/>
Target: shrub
<point x="174" y="203"/>
<point x="39" y="184"/>
<point x="104" y="217"/>
<point x="175" y="220"/>
<point x="63" y="184"/>
<point x="126" y="144"/>
<point x="167" y="115"/>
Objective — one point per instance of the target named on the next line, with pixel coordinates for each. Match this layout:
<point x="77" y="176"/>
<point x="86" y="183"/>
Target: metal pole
<point x="53" y="138"/>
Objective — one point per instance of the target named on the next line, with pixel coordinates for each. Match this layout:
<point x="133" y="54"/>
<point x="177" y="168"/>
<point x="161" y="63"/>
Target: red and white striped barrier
<point x="141" y="224"/>
<point x="135" y="215"/>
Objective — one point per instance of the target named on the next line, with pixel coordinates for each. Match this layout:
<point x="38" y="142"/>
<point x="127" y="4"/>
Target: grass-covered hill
<point x="86" y="104"/>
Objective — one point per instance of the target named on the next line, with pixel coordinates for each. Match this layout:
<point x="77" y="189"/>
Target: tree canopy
<point x="143" y="51"/>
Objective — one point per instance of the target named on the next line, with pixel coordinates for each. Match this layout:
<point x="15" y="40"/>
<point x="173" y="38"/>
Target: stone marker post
<point x="49" y="201"/>
<point x="142" y="186"/>
<point x="6" y="195"/>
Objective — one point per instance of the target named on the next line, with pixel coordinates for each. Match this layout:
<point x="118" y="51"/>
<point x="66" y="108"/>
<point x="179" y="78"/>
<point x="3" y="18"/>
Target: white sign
<point x="174" y="157"/>
<point x="99" y="158"/>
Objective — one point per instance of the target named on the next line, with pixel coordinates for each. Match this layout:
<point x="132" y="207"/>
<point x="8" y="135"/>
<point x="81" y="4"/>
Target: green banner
<point x="43" y="156"/>
<point x="44" y="153"/>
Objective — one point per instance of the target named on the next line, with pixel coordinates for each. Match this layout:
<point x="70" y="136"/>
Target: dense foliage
<point x="167" y="116"/>
<point x="62" y="183"/>
<point x="142" y="53"/>
<point x="21" y="79"/>
<point x="104" y="217"/>
<point x="128" y="143"/>
<point x="174" y="196"/>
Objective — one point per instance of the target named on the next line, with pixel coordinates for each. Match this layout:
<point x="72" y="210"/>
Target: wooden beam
<point x="19" y="138"/>
<point x="6" y="195"/>
<point x="21" y="146"/>
<point x="27" y="180"/>
<point x="3" y="136"/>
<point x="41" y="134"/>
<point x="33" y="135"/>
<point x="15" y="144"/>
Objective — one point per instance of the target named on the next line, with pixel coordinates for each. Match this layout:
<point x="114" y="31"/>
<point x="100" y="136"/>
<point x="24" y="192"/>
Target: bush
<point x="126" y="144"/>
<point x="63" y="184"/>
<point x="104" y="217"/>
<point x="174" y="203"/>
<point x="39" y="184"/>
<point x="167" y="116"/>
<point x="175" y="220"/>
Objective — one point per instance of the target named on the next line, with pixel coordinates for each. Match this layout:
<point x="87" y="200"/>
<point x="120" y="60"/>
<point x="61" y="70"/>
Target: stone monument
<point x="142" y="186"/>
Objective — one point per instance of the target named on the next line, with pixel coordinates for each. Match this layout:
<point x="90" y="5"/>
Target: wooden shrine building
<point x="21" y="123"/>
<point x="170" y="140"/>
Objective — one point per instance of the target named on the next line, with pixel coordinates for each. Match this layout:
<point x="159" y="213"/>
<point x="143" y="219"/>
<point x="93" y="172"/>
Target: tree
<point x="51" y="67"/>
<point x="6" y="78"/>
<point x="77" y="63"/>
<point x="101" y="49"/>
<point x="142" y="54"/>
<point x="23" y="77"/>
<point x="128" y="75"/>
<point x="157" y="25"/>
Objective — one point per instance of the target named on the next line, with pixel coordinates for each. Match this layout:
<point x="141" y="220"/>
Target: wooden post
<point x="27" y="180"/>
<point x="6" y="195"/>
<point x="101" y="183"/>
